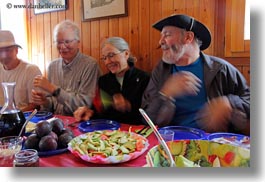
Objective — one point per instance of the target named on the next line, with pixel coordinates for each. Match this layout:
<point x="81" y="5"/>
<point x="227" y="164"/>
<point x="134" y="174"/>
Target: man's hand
<point x="83" y="113"/>
<point x="215" y="115"/>
<point x="180" y="84"/>
<point x="38" y="97"/>
<point x="42" y="82"/>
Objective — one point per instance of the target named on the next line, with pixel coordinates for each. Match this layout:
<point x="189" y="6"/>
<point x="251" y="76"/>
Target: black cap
<point x="188" y="23"/>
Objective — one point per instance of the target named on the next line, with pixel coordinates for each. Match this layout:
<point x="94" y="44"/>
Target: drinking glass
<point x="167" y="135"/>
<point x="9" y="146"/>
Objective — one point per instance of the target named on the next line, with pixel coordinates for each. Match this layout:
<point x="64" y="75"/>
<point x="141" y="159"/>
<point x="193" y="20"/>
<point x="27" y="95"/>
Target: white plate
<point x="110" y="159"/>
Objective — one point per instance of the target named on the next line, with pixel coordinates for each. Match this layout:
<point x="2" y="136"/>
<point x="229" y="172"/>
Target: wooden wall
<point x="135" y="28"/>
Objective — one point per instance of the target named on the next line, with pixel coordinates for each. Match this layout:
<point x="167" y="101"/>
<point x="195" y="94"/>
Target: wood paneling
<point x="136" y="28"/>
<point x="155" y="15"/>
<point x="144" y="32"/>
<point x="47" y="40"/>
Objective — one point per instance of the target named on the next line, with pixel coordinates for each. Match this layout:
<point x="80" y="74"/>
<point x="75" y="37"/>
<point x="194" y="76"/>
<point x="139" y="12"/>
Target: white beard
<point x="174" y="54"/>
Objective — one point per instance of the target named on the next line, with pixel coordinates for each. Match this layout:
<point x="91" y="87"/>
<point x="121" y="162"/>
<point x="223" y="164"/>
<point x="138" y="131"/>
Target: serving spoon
<point x="26" y="122"/>
<point x="159" y="137"/>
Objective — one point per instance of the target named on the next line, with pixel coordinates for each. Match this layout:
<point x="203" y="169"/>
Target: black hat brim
<point x="185" y="22"/>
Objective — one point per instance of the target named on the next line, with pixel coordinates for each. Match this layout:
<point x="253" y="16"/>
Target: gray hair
<point x="66" y="24"/>
<point x="117" y="42"/>
<point x="121" y="45"/>
<point x="197" y="40"/>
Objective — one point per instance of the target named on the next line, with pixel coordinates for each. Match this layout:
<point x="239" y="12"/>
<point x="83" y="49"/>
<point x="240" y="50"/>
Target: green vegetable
<point x="92" y="147"/>
<point x="157" y="159"/>
<point x="124" y="150"/>
<point x="106" y="143"/>
<point x="245" y="163"/>
<point x="181" y="161"/>
<point x="193" y="151"/>
<point x="203" y="162"/>
<point x="129" y="145"/>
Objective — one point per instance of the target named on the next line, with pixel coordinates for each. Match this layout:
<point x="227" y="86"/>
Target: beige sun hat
<point x="7" y="39"/>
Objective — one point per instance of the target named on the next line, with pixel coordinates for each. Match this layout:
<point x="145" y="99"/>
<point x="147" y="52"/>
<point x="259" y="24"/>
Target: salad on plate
<point x="108" y="146"/>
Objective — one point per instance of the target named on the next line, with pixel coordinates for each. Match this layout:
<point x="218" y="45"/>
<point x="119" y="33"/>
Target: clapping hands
<point x="180" y="84"/>
<point x="215" y="115"/>
<point x="120" y="103"/>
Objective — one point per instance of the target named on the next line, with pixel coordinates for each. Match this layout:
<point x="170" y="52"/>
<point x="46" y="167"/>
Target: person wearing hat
<point x="190" y="88"/>
<point x="13" y="69"/>
<point x="71" y="79"/>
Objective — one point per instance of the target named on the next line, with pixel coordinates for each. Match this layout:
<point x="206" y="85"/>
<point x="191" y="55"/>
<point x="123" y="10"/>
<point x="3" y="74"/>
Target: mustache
<point x="164" y="47"/>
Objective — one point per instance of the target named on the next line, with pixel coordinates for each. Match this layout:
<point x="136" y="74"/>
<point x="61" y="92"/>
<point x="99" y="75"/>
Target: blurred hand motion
<point x="83" y="113"/>
<point x="182" y="83"/>
<point x="38" y="97"/>
<point x="214" y="117"/>
<point x="120" y="103"/>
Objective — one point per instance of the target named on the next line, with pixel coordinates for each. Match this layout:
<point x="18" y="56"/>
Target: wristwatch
<point x="56" y="92"/>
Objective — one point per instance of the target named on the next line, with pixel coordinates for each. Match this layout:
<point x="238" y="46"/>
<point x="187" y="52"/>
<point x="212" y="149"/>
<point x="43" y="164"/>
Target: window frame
<point x="235" y="45"/>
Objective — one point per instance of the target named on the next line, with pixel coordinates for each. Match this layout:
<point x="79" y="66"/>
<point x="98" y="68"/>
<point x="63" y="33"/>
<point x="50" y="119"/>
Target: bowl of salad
<point x="199" y="153"/>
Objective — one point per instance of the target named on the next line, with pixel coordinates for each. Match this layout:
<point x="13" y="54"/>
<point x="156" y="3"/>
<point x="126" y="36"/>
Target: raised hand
<point x="180" y="84"/>
<point x="215" y="115"/>
<point x="120" y="103"/>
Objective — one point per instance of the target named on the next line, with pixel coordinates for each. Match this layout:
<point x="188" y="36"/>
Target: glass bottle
<point x="11" y="118"/>
<point x="26" y="158"/>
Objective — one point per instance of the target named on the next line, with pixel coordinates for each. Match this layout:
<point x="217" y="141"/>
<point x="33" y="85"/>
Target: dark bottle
<point x="11" y="118"/>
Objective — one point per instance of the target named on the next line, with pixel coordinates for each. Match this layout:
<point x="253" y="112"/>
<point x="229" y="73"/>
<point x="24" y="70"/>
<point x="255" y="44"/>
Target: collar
<point x="127" y="72"/>
<point x="73" y="62"/>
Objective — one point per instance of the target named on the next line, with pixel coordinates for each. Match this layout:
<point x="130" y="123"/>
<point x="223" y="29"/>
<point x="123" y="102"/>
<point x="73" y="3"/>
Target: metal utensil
<point x="26" y="122"/>
<point x="159" y="137"/>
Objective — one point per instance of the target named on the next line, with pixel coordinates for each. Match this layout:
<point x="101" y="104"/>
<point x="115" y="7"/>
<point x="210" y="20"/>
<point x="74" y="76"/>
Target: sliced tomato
<point x="211" y="158"/>
<point x="229" y="157"/>
<point x="104" y="137"/>
<point x="139" y="145"/>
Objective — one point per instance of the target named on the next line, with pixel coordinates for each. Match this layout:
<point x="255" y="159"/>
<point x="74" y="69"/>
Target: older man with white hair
<point x="71" y="79"/>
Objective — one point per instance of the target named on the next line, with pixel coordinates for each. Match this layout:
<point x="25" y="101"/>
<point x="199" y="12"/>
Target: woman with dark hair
<point x="120" y="91"/>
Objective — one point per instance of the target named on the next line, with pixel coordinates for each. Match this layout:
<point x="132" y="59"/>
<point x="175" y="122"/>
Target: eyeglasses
<point x="65" y="42"/>
<point x="110" y="55"/>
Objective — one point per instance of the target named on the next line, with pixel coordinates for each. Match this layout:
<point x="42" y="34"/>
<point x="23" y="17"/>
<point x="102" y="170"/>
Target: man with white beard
<point x="190" y="88"/>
